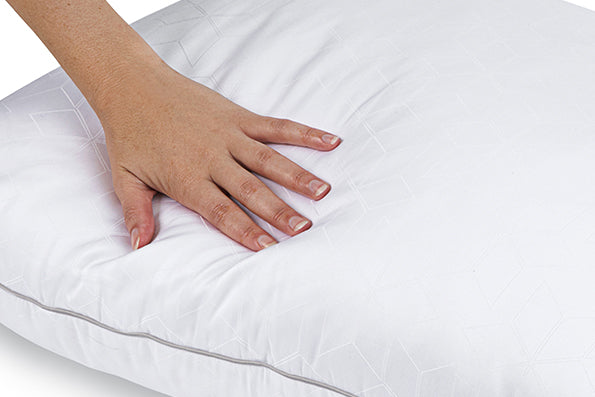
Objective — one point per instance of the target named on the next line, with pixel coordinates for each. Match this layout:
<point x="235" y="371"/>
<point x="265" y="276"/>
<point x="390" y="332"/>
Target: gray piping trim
<point x="180" y="347"/>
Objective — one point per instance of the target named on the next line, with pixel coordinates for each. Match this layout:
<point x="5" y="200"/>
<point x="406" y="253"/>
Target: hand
<point x="166" y="133"/>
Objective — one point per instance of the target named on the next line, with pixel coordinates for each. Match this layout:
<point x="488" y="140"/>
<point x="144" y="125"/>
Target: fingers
<point x="274" y="130"/>
<point x="136" y="199"/>
<point x="258" y="198"/>
<point x="207" y="199"/>
<point x="269" y="163"/>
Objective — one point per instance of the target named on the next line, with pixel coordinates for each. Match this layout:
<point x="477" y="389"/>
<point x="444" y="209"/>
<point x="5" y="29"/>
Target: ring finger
<point x="258" y="198"/>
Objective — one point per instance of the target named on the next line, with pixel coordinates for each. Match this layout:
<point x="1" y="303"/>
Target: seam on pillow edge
<point x="189" y="349"/>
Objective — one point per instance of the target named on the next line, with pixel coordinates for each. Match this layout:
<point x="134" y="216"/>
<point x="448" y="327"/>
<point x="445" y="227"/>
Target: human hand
<point x="166" y="133"/>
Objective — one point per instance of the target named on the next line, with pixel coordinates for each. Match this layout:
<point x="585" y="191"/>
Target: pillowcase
<point x="453" y="256"/>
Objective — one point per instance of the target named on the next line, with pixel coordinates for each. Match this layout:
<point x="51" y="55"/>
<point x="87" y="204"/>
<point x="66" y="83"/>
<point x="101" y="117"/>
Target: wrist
<point x="123" y="77"/>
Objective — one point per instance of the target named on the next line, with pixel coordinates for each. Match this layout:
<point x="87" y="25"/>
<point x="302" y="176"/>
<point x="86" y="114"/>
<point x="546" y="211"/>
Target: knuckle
<point x="280" y="125"/>
<point x="206" y="154"/>
<point x="219" y="213"/>
<point x="248" y="189"/>
<point x="299" y="177"/>
<point x="246" y="119"/>
<point x="208" y="158"/>
<point x="310" y="133"/>
<point x="280" y="213"/>
<point x="185" y="179"/>
<point x="183" y="186"/>
<point x="130" y="214"/>
<point x="248" y="232"/>
<point x="264" y="155"/>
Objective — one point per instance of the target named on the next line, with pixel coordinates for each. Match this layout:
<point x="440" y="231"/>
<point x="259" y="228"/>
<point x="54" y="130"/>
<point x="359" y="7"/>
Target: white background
<point x="24" y="58"/>
<point x="27" y="370"/>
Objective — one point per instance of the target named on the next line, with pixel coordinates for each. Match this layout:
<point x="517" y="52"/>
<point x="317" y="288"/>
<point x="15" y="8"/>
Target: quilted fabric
<point x="454" y="255"/>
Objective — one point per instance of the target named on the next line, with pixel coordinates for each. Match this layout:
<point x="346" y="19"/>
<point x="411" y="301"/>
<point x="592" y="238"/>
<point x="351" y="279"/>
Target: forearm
<point x="92" y="43"/>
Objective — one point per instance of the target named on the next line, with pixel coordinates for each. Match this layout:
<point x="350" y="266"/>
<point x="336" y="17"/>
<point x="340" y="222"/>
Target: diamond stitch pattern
<point x="453" y="257"/>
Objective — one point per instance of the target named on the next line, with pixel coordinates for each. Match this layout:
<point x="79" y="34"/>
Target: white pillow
<point x="454" y="255"/>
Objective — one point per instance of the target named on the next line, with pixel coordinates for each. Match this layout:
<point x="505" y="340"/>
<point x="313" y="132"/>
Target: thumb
<point x="136" y="199"/>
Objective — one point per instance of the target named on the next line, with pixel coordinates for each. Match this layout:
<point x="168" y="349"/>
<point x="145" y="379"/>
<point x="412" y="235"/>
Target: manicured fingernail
<point x="266" y="241"/>
<point x="330" y="139"/>
<point x="318" y="187"/>
<point x="134" y="238"/>
<point x="297" y="223"/>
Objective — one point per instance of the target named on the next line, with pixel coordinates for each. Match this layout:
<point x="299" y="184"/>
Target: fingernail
<point x="266" y="241"/>
<point x="134" y="238"/>
<point x="297" y="223"/>
<point x="318" y="187"/>
<point x="330" y="139"/>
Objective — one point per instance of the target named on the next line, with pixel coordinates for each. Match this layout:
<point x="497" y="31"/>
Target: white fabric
<point x="454" y="255"/>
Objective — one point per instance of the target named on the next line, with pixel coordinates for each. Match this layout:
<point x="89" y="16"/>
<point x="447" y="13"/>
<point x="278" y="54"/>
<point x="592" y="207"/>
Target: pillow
<point x="453" y="257"/>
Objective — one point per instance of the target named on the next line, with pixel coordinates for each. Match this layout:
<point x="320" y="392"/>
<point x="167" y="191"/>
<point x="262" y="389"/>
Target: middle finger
<point x="258" y="198"/>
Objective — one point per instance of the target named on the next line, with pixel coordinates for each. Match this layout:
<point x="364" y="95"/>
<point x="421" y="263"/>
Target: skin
<point x="166" y="133"/>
